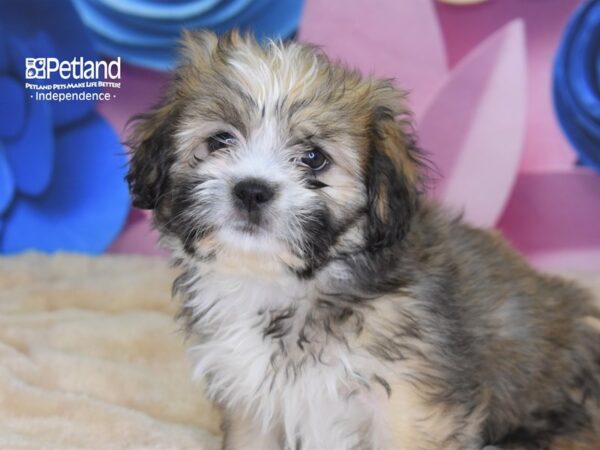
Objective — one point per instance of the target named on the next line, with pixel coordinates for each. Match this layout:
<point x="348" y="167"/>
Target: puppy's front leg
<point x="240" y="433"/>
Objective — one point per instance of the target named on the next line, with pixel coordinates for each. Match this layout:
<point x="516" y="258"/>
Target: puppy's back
<point x="532" y="340"/>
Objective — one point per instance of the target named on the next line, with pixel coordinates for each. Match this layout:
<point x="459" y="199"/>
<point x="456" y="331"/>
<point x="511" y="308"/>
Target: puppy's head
<point x="274" y="150"/>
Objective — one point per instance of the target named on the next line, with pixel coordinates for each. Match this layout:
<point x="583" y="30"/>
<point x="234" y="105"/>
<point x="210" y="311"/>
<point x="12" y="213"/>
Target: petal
<point x="119" y="28"/>
<point x="139" y="31"/>
<point x="85" y="206"/>
<point x="475" y="127"/>
<point x="553" y="218"/>
<point x="581" y="46"/>
<point x="149" y="40"/>
<point x="143" y="8"/>
<point x="7" y="184"/>
<point x="546" y="147"/>
<point x="31" y="153"/>
<point x="575" y="86"/>
<point x="267" y="19"/>
<point x="399" y="39"/>
<point x="12" y="107"/>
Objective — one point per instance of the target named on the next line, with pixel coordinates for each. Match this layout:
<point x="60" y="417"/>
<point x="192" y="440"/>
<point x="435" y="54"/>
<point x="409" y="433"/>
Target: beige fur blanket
<point x="90" y="357"/>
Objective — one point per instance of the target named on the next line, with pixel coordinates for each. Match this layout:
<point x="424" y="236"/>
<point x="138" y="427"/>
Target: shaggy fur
<point x="332" y="307"/>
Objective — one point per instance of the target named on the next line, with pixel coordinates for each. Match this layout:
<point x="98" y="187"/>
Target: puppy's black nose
<point x="252" y="193"/>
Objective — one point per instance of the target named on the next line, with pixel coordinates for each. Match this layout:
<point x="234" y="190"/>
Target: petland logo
<point x="72" y="80"/>
<point x="76" y="69"/>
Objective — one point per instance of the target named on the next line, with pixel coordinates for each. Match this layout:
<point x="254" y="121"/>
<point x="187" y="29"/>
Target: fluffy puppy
<point x="329" y="305"/>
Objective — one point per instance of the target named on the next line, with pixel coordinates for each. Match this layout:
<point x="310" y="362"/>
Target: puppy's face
<point x="273" y="151"/>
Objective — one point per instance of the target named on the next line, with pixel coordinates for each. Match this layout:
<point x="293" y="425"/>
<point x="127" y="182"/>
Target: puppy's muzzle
<point x="252" y="194"/>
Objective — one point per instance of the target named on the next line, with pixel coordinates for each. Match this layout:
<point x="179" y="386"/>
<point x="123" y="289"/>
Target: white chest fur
<point x="259" y="357"/>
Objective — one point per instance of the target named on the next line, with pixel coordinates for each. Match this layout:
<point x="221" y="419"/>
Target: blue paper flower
<point x="576" y="82"/>
<point x="61" y="165"/>
<point x="145" y="32"/>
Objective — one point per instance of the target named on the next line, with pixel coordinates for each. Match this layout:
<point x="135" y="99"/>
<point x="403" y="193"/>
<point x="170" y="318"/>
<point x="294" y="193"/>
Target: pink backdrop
<point x="479" y="79"/>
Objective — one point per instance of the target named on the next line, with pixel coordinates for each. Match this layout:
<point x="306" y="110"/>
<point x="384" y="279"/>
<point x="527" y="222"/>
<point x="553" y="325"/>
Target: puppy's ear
<point x="393" y="173"/>
<point x="197" y="47"/>
<point x="151" y="144"/>
<point x="153" y="138"/>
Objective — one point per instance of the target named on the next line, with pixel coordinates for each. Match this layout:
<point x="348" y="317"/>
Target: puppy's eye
<point x="315" y="159"/>
<point x="219" y="141"/>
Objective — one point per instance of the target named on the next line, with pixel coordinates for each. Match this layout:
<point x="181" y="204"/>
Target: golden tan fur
<point x="346" y="282"/>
